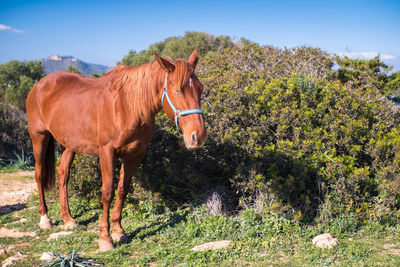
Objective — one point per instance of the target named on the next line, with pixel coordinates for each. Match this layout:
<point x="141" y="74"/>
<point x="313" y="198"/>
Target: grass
<point x="167" y="238"/>
<point x="7" y="175"/>
<point x="159" y="236"/>
<point x="21" y="162"/>
<point x="9" y="169"/>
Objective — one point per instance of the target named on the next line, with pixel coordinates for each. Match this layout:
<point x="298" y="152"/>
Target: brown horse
<point x="111" y="117"/>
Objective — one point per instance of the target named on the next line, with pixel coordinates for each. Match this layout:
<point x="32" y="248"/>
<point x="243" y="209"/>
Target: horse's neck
<point x="139" y="111"/>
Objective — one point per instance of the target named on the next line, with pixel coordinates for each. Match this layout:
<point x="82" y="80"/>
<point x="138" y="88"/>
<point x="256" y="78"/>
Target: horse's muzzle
<point x="195" y="139"/>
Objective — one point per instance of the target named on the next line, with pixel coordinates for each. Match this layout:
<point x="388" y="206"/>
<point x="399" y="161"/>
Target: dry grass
<point x="214" y="204"/>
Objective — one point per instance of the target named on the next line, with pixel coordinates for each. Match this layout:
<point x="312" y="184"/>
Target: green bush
<point x="85" y="178"/>
<point x="16" y="80"/>
<point x="301" y="136"/>
<point x="14" y="137"/>
<point x="181" y="47"/>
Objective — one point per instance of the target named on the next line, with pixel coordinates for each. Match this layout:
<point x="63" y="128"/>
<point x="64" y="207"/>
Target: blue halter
<point x="176" y="111"/>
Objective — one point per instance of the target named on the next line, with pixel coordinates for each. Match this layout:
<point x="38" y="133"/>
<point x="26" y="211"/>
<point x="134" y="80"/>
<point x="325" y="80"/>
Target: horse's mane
<point x="141" y="85"/>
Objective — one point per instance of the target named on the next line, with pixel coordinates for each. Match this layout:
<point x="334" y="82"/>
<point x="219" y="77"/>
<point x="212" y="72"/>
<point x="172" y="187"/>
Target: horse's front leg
<point x="107" y="165"/>
<point x="129" y="166"/>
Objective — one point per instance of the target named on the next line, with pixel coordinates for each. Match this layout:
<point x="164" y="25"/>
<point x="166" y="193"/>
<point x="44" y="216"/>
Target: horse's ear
<point x="193" y="59"/>
<point x="165" y="64"/>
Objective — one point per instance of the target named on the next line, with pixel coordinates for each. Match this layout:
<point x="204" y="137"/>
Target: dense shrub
<point x="362" y="73"/>
<point x="85" y="178"/>
<point x="14" y="137"/>
<point x="303" y="136"/>
<point x="181" y="47"/>
<point x="17" y="79"/>
<point x="393" y="86"/>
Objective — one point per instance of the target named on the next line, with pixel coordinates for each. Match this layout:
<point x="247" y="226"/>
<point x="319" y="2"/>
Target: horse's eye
<point x="176" y="91"/>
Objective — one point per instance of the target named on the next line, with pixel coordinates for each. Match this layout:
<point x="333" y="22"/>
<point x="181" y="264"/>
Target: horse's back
<point x="66" y="104"/>
<point x="62" y="84"/>
<point x="61" y="90"/>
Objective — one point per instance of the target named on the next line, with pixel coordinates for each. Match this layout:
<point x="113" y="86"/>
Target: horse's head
<point x="181" y="99"/>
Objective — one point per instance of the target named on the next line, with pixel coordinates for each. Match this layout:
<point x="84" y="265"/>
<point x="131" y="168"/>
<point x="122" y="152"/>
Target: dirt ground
<point x="15" y="189"/>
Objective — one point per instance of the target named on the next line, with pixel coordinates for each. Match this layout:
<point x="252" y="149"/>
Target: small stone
<point x="212" y="245"/>
<point x="47" y="256"/>
<point x="4" y="232"/>
<point x="2" y="252"/>
<point x="325" y="241"/>
<point x="13" y="259"/>
<point x="350" y="239"/>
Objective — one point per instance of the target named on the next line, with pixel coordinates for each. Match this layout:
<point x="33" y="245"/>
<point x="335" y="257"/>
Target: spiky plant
<point x="22" y="162"/>
<point x="71" y="259"/>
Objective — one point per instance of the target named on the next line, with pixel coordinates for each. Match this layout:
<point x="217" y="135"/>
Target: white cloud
<point x="366" y="55"/>
<point x="387" y="57"/>
<point x="4" y="27"/>
<point x="9" y="28"/>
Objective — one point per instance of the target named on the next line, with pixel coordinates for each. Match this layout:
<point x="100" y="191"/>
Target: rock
<point x="325" y="241"/>
<point x="212" y="245"/>
<point x="3" y="252"/>
<point x="4" y="232"/>
<point x="56" y="235"/>
<point x="47" y="256"/>
<point x="12" y="260"/>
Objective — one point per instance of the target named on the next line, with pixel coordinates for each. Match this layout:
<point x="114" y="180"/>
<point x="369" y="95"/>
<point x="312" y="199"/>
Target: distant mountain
<point x="55" y="62"/>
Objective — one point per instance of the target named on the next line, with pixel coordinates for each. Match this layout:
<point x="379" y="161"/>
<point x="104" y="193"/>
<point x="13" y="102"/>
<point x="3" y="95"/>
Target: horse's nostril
<point x="194" y="138"/>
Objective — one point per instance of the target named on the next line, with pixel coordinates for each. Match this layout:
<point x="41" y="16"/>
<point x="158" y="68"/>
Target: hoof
<point x="105" y="245"/>
<point x="45" y="222"/>
<point x="119" y="237"/>
<point x="69" y="225"/>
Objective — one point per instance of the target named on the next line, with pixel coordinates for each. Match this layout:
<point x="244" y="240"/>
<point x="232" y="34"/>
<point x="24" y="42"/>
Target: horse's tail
<point x="48" y="181"/>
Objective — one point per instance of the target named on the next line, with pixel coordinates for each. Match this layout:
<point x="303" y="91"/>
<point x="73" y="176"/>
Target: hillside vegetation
<point x="300" y="142"/>
<point x="180" y="47"/>
<point x="293" y="131"/>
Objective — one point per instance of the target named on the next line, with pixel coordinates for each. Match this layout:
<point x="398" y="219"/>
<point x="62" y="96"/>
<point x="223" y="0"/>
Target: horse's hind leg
<point x="63" y="175"/>
<point x="43" y="146"/>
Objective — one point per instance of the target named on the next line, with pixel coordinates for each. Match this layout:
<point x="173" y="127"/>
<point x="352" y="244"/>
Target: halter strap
<point x="176" y="111"/>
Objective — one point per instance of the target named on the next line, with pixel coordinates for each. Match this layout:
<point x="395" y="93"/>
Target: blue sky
<point x="104" y="31"/>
